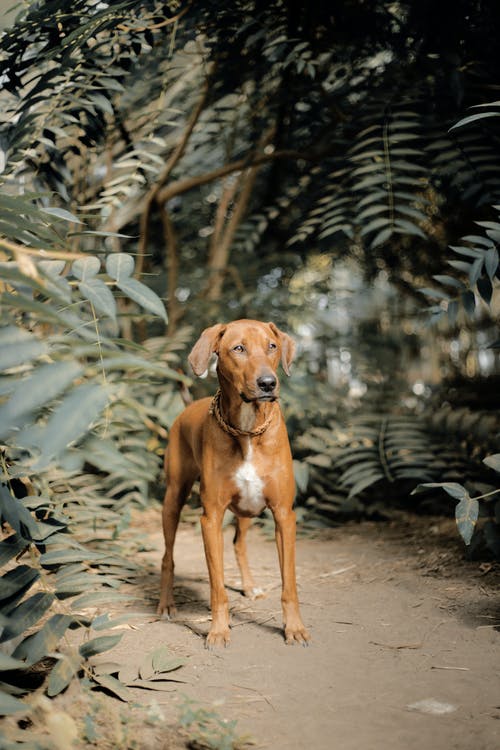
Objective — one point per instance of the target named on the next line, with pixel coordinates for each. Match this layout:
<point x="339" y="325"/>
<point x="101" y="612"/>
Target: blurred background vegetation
<point x="166" y="165"/>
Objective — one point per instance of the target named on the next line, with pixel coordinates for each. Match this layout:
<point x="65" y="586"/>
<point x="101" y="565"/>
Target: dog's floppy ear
<point x="287" y="347"/>
<point x="205" y="347"/>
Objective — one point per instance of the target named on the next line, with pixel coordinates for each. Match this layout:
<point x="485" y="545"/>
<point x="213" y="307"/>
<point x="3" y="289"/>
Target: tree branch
<point x="182" y="186"/>
<point x="221" y="248"/>
<point x="155" y="26"/>
<point x="228" y="193"/>
<point x="172" y="269"/>
<point x="221" y="254"/>
<point x="154" y="195"/>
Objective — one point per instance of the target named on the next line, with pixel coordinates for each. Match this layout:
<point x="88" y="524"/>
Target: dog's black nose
<point x="267" y="383"/>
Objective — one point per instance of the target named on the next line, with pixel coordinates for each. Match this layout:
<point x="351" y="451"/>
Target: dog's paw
<point x="254" y="593"/>
<point x="218" y="638"/>
<point x="297" y="634"/>
<point x="166" y="611"/>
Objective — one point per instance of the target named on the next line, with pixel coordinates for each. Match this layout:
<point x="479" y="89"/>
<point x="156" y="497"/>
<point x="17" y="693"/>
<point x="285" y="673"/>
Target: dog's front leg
<point x="211" y="526"/>
<point x="295" y="632"/>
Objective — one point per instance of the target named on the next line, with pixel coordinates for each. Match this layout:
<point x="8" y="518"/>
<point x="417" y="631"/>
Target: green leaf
<point x="120" y="266"/>
<point x="452" y="311"/>
<point x="493" y="461"/>
<point x="26" y="615"/>
<point x="472" y="252"/>
<point x="473" y="118"/>
<point x="346" y="228"/>
<point x="101" y="102"/>
<point x="434" y="293"/>
<point x="143" y="295"/>
<point x="354" y="456"/>
<point x="485" y="289"/>
<point x="10" y="547"/>
<point x="491" y="262"/>
<point x="70" y="421"/>
<point x="67" y="585"/>
<point x="466" y="514"/>
<point x="13" y="511"/>
<point x="52" y="268"/>
<point x="488" y="104"/>
<point x="460" y="265"/>
<point x="360" y="470"/>
<point x="102" y="622"/>
<point x="45" y="641"/>
<point x="382" y="221"/>
<point x="413" y="212"/>
<point x="61" y="213"/>
<point x="320" y="459"/>
<point x="408" y="227"/>
<point x="132" y="362"/>
<point x="102" y="233"/>
<point x="452" y="488"/>
<point x="158" y="662"/>
<point x="47" y="313"/>
<point x="96" y="598"/>
<point x="475" y="270"/>
<point x="86" y="268"/>
<point x="161" y="659"/>
<point x="164" y="664"/>
<point x="99" y="644"/>
<point x="36" y="390"/>
<point x="491" y="225"/>
<point x="114" y="686"/>
<point x="448" y="281"/>
<point x="100" y="296"/>
<point x="381" y="237"/>
<point x="15" y="583"/>
<point x="8" y="662"/>
<point x="479" y="240"/>
<point x="378" y="208"/>
<point x="10" y="705"/>
<point x="469" y="303"/>
<point x="105" y="667"/>
<point x="370" y="182"/>
<point x="301" y="473"/>
<point x="65" y="556"/>
<point x="367" y="481"/>
<point x="20" y="352"/>
<point x="62" y="674"/>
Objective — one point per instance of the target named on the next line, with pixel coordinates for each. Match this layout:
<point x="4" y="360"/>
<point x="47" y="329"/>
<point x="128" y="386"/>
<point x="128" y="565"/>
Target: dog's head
<point x="249" y="353"/>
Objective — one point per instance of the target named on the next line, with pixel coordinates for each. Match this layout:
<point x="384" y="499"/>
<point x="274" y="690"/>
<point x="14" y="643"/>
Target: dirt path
<point x="404" y="650"/>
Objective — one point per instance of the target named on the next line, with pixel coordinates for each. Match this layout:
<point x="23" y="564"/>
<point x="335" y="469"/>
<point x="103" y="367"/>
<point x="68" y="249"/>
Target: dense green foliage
<point x="336" y="171"/>
<point x="81" y="416"/>
<point x="324" y="131"/>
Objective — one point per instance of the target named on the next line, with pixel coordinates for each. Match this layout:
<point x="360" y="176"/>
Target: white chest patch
<point x="250" y="486"/>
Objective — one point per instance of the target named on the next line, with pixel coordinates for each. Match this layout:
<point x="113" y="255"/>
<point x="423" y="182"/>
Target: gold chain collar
<point x="235" y="431"/>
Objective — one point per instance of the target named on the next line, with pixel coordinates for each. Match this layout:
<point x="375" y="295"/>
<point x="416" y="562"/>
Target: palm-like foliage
<point x="356" y="463"/>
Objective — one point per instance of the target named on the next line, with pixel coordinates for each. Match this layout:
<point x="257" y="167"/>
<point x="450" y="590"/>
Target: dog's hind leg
<point x="181" y="475"/>
<point x="240" y="550"/>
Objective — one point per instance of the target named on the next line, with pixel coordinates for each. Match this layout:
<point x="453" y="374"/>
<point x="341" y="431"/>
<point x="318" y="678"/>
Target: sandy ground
<point x="404" y="651"/>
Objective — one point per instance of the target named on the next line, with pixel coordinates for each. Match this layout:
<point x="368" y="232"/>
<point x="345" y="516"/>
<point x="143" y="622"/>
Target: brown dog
<point x="238" y="445"/>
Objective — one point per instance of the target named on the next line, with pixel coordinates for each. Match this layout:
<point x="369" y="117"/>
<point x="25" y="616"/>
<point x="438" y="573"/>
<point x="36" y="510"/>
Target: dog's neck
<point x="246" y="416"/>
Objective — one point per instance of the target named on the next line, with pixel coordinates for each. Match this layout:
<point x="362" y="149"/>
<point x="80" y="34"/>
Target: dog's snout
<point x="267" y="383"/>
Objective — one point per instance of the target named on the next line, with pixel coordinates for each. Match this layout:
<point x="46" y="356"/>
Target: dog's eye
<point x="272" y="345"/>
<point x="239" y="348"/>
